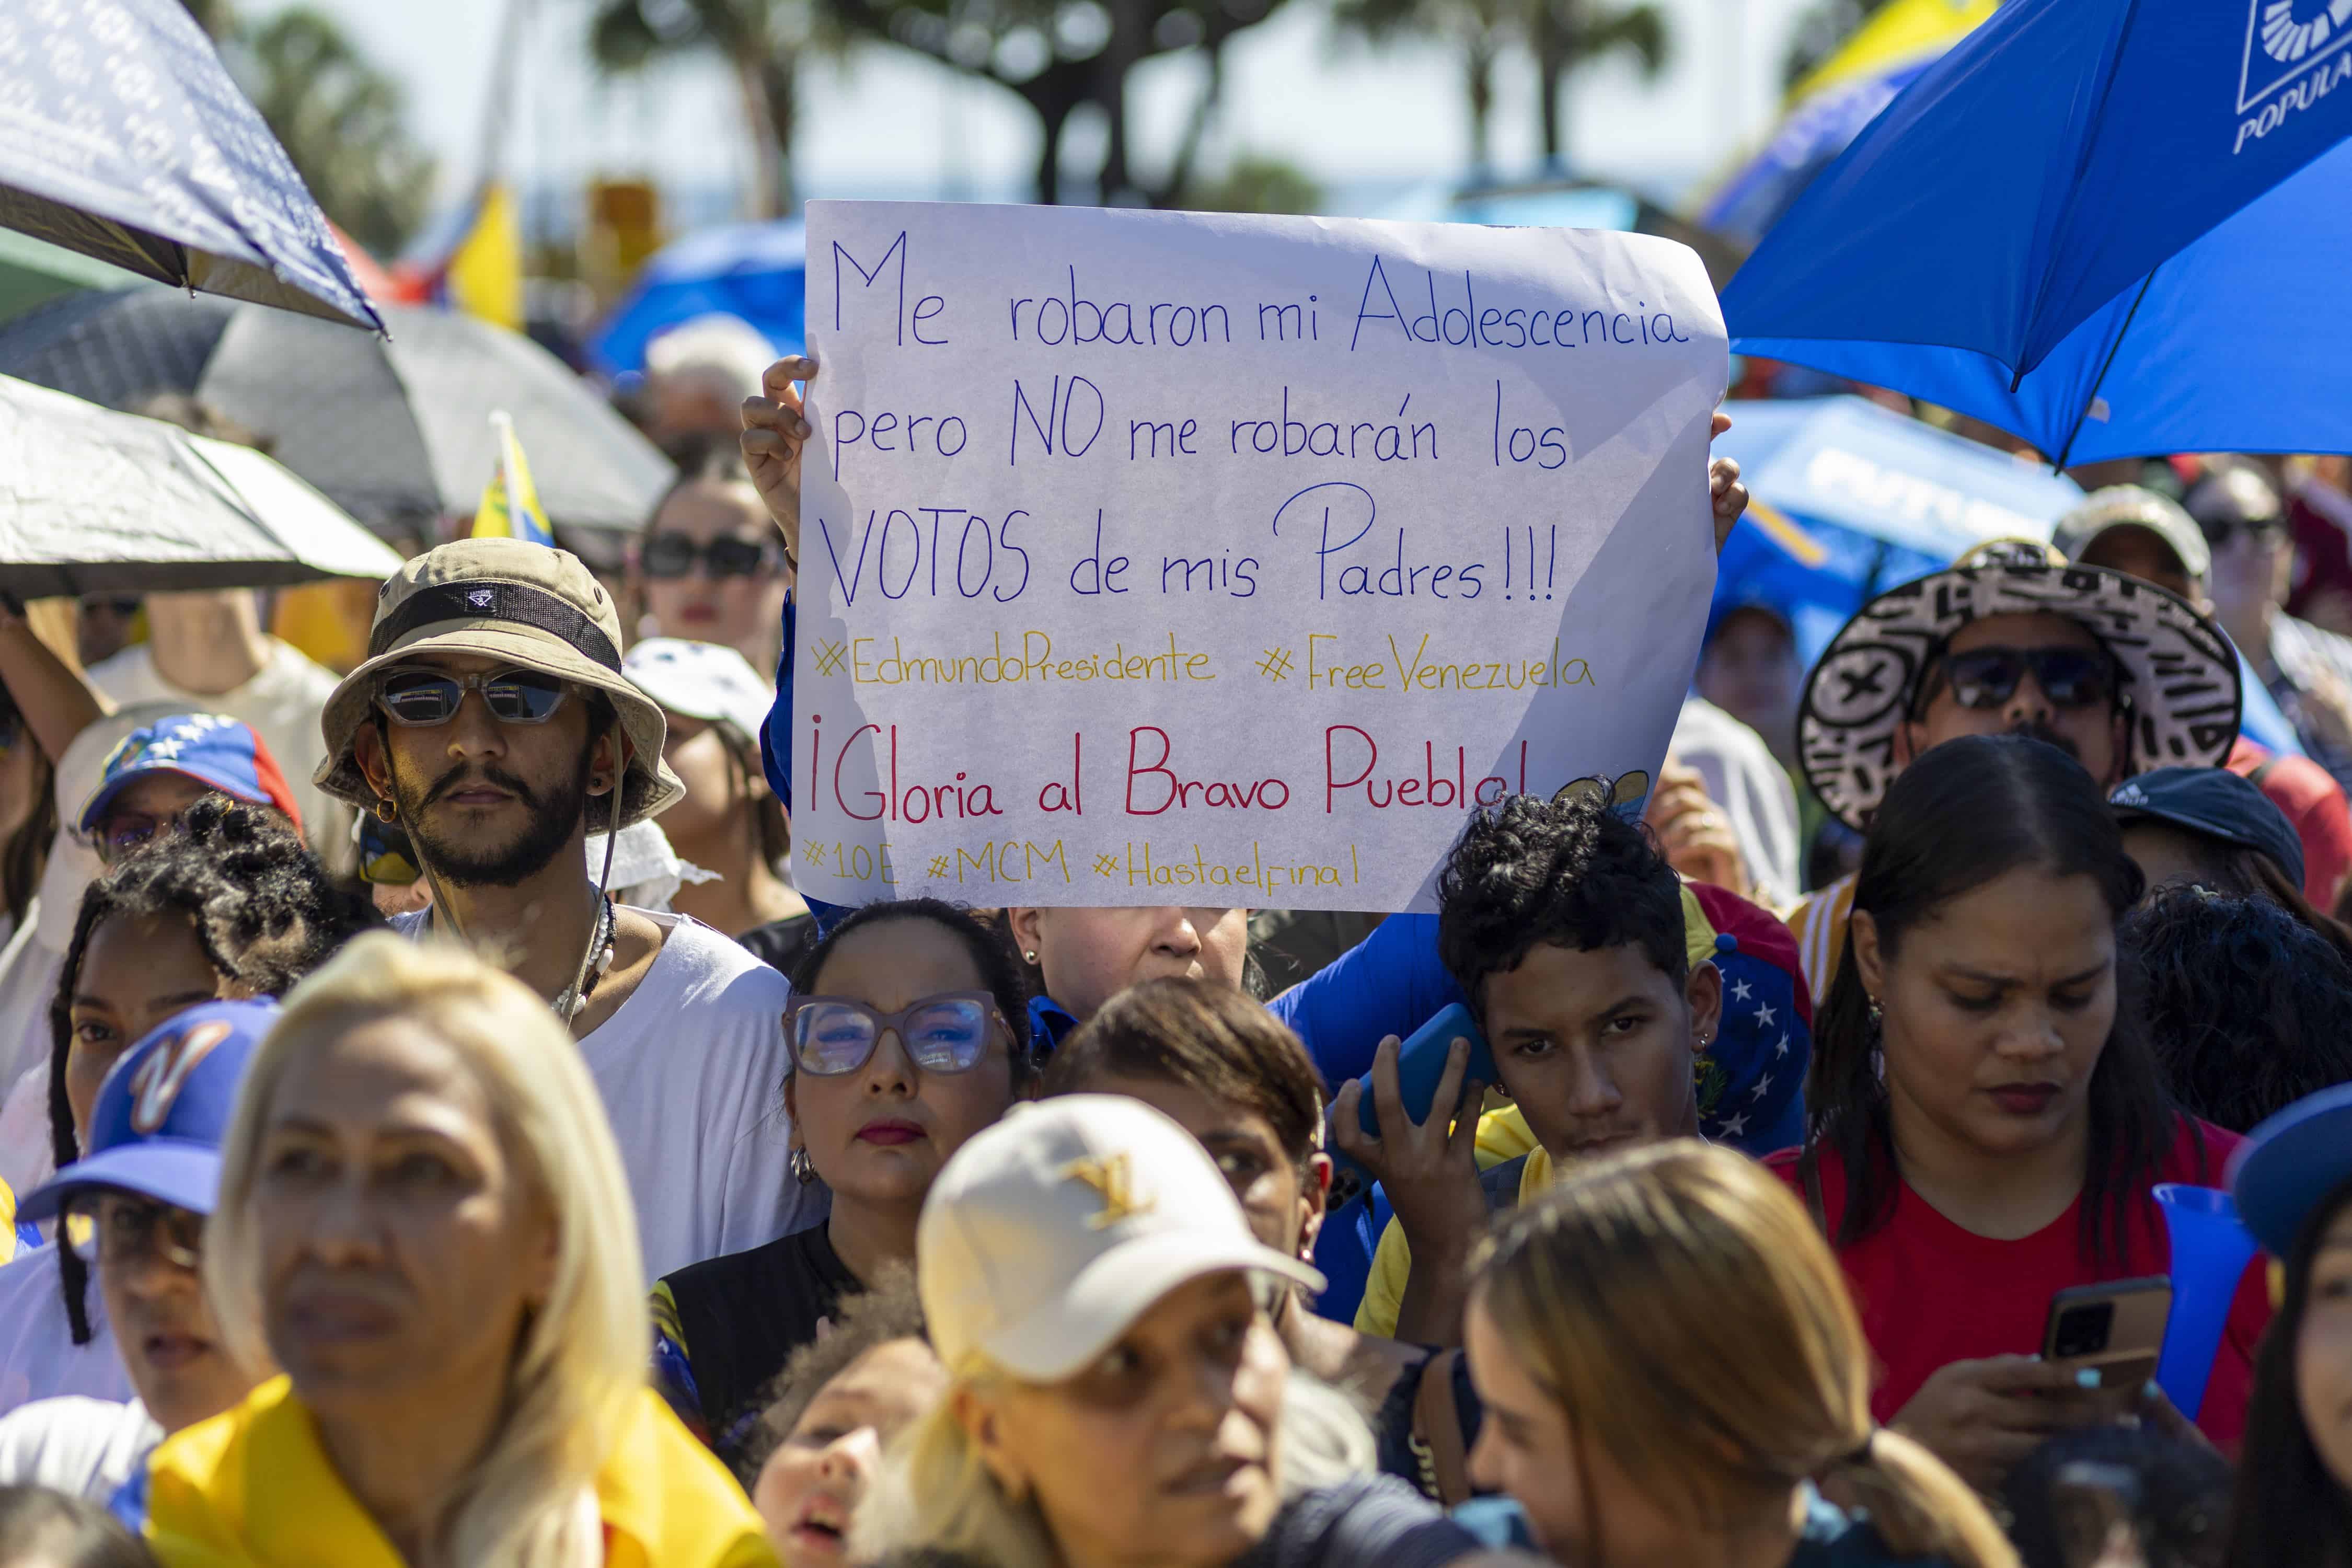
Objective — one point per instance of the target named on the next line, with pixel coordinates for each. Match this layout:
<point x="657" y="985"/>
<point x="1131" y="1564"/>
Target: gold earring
<point x="386" y="808"/>
<point x="1030" y="955"/>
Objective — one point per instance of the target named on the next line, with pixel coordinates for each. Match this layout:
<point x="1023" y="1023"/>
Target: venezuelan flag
<point x="510" y="507"/>
<point x="475" y="260"/>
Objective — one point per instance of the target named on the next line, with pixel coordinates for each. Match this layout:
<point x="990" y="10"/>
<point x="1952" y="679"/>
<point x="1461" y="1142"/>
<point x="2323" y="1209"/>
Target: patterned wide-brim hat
<point x="2180" y="673"/>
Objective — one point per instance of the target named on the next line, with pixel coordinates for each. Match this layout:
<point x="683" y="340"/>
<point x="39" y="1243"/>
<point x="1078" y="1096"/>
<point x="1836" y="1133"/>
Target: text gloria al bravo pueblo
<point x="1230" y="542"/>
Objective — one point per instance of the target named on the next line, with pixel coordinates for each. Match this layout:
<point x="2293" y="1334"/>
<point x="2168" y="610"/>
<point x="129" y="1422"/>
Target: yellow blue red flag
<point x="510" y="507"/>
<point x="481" y="271"/>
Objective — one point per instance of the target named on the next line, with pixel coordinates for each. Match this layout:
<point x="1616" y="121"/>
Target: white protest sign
<point x="1157" y="558"/>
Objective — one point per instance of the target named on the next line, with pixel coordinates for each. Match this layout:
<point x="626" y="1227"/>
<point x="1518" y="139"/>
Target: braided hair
<point x="265" y="912"/>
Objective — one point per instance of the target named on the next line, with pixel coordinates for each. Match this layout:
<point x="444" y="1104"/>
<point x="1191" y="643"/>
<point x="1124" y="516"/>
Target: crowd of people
<point x="437" y="1132"/>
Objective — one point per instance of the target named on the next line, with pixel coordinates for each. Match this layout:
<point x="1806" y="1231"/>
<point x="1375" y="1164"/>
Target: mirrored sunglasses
<point x="2071" y="678"/>
<point x="665" y="556"/>
<point x="947" y="1033"/>
<point x="421" y="698"/>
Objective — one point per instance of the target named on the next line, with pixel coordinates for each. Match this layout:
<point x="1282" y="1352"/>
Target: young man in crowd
<point x="1616" y="1016"/>
<point x="2120" y="674"/>
<point x="2146" y="535"/>
<point x="492" y="722"/>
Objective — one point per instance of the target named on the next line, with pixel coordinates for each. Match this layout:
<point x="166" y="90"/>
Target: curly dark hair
<point x="2245" y="1003"/>
<point x="265" y="912"/>
<point x="1573" y="874"/>
<point x="983" y="937"/>
<point x="891" y="1310"/>
<point x="2181" y="1515"/>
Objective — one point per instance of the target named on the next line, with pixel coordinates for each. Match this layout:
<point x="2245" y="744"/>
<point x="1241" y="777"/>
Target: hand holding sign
<point x="1157" y="558"/>
<point x="775" y="429"/>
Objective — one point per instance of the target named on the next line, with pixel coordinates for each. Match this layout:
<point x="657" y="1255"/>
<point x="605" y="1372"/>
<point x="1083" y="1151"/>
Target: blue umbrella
<point x="1877" y="500"/>
<point x="121" y="137"/>
<point x="758" y="271"/>
<point x="2113" y="228"/>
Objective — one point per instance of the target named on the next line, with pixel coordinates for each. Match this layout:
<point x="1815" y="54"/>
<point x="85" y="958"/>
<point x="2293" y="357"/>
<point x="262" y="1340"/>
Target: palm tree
<point x="340" y="120"/>
<point x="1563" y="34"/>
<point x="1061" y="56"/>
<point x="1572" y="34"/>
<point x="1481" y="29"/>
<point x="761" y="42"/>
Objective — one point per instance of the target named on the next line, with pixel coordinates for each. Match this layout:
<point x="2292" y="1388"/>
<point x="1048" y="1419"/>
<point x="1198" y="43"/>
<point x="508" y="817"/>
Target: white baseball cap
<point x="1049" y="1233"/>
<point x="703" y="680"/>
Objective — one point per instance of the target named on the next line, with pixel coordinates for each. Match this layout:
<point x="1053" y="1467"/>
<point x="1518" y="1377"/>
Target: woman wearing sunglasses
<point x="904" y="1045"/>
<point x="712" y="568"/>
<point x="134" y="1207"/>
<point x="231" y="905"/>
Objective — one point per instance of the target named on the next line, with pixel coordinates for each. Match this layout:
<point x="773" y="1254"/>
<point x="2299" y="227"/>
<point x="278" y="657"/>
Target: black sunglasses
<point x="2220" y="530"/>
<point x="665" y="556"/>
<point x="1986" y="678"/>
<point x="421" y="698"/>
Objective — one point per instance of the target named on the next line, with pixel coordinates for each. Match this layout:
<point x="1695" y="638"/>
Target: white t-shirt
<point x="1743" y="778"/>
<point x="38" y="1356"/>
<point x="282" y="703"/>
<point x="692" y="1070"/>
<point x="86" y="1447"/>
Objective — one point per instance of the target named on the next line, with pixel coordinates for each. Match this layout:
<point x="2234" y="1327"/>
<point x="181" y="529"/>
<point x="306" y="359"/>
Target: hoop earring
<point x="797" y="1163"/>
<point x="386" y="808"/>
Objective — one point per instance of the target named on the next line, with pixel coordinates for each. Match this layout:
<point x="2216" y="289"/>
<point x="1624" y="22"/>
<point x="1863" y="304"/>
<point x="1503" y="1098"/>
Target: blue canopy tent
<point x="758" y="271"/>
<point x="1876" y="498"/>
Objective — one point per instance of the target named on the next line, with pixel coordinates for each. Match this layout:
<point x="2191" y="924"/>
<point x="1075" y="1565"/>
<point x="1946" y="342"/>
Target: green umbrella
<point x="32" y="270"/>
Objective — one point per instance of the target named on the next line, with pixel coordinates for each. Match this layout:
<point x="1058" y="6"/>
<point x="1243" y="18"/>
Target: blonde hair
<point x="581" y="1364"/>
<point x="935" y="1493"/>
<point x="1680" y="1307"/>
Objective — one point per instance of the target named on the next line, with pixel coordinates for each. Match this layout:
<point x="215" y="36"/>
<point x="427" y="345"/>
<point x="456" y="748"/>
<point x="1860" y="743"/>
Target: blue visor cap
<point x="2213" y="803"/>
<point x="162" y="1111"/>
<point x="2289" y="1165"/>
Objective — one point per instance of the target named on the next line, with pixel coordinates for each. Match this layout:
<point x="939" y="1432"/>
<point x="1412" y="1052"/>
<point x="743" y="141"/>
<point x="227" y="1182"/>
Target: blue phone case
<point x="1421" y="1062"/>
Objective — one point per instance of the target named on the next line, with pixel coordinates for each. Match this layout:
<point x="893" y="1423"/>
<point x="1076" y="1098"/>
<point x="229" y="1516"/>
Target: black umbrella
<point x="396" y="432"/>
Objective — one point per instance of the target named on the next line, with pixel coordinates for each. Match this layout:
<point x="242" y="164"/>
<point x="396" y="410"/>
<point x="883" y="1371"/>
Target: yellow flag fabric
<point x="484" y="274"/>
<point x="1905" y="32"/>
<point x="509" y="506"/>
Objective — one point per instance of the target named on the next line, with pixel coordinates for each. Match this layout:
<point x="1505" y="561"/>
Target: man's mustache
<point x="465" y="776"/>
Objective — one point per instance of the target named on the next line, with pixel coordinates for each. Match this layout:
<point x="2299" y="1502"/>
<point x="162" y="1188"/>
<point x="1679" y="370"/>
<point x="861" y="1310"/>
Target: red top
<point x="1931" y="1293"/>
<point x="2314" y="805"/>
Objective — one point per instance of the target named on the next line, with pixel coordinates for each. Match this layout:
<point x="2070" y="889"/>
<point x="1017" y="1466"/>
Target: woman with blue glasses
<point x="904" y="1043"/>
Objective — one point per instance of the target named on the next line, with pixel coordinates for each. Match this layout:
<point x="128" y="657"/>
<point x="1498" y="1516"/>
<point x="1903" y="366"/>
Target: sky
<point x="886" y="124"/>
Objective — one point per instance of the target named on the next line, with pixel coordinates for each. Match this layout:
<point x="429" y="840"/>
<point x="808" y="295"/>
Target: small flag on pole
<point x="509" y="506"/>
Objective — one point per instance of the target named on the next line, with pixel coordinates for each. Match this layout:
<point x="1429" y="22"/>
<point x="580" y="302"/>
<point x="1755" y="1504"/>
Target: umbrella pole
<point x="2091" y="399"/>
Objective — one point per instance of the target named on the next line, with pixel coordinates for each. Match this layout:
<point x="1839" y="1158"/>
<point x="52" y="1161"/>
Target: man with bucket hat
<point x="135" y="1203"/>
<point x="492" y="722"/>
<point x="2116" y="672"/>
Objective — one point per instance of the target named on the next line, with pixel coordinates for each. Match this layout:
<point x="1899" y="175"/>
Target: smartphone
<point x="2112" y="1333"/>
<point x="1421" y="1062"/>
